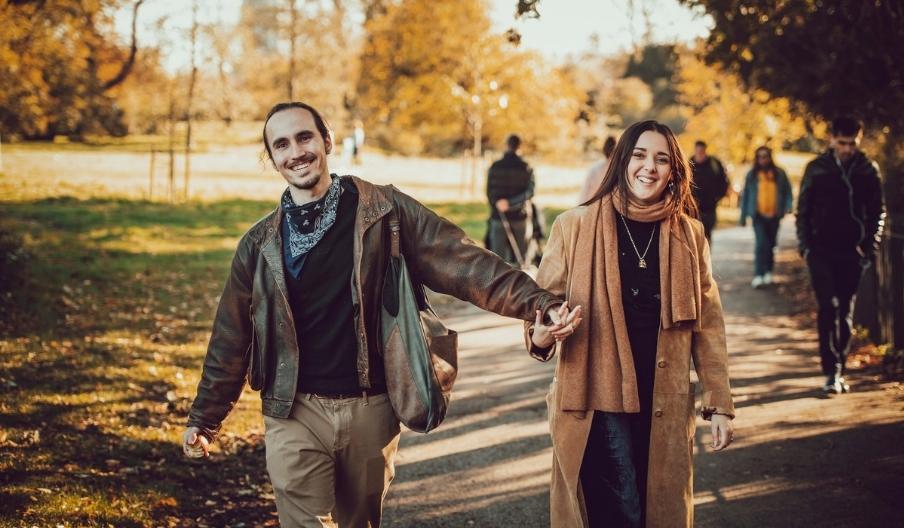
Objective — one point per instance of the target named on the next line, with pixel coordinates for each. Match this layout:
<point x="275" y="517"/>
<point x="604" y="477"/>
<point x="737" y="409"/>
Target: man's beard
<point x="308" y="183"/>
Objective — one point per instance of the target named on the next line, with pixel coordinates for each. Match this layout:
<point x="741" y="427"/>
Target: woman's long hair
<point x="756" y="158"/>
<point x="616" y="174"/>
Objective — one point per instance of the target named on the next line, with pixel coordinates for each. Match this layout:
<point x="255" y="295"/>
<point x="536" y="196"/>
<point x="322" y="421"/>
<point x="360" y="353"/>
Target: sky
<point x="565" y="27"/>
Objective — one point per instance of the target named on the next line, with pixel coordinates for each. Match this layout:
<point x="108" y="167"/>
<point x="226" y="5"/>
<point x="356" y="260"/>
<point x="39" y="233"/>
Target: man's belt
<point x="373" y="391"/>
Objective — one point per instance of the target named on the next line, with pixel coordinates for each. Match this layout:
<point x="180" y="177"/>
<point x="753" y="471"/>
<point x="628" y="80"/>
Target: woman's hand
<point x="564" y="324"/>
<point x="722" y="431"/>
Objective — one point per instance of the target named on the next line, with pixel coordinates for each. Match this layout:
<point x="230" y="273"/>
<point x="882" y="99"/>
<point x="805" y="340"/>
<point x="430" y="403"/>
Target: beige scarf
<point x="596" y="370"/>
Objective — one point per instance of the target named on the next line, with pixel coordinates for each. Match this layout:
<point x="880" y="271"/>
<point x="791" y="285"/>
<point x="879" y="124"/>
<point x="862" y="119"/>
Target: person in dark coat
<point x="710" y="185"/>
<point x="510" y="187"/>
<point x="840" y="213"/>
<point x="766" y="198"/>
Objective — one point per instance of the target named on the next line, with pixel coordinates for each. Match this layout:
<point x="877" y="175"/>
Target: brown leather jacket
<point x="254" y="336"/>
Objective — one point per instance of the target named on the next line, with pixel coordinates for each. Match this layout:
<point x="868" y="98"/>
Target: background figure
<point x="358" y="144"/>
<point x="765" y="199"/>
<point x="596" y="172"/>
<point x="839" y="225"/>
<point x="510" y="187"/>
<point x="710" y="185"/>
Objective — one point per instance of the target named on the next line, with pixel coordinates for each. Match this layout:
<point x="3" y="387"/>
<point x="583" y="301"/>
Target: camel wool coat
<point x="670" y="475"/>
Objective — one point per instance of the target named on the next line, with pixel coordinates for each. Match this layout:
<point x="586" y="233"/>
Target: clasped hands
<point x="564" y="322"/>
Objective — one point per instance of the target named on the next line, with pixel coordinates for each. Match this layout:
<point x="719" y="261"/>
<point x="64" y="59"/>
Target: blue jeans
<point x="765" y="230"/>
<point x="609" y="471"/>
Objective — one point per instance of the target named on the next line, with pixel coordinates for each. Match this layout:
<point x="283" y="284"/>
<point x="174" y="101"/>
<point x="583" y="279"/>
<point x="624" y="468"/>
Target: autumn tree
<point x="835" y="57"/>
<point x="58" y="62"/>
<point x="297" y="49"/>
<point x="427" y="86"/>
<point x="732" y="118"/>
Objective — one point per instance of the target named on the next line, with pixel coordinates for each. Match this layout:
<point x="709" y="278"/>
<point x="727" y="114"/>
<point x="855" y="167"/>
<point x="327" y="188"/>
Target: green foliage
<point x="834" y="56"/>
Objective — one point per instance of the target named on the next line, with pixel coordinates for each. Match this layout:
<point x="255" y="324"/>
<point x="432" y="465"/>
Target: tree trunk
<point x="192" y="79"/>
<point x="890" y="261"/>
<point x="293" y="34"/>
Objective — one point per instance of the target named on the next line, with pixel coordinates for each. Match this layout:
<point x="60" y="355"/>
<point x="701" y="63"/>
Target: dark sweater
<point x="641" y="302"/>
<point x="321" y="304"/>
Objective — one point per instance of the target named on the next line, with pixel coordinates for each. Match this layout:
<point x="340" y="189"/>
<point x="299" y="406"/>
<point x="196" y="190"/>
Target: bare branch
<point x="126" y="68"/>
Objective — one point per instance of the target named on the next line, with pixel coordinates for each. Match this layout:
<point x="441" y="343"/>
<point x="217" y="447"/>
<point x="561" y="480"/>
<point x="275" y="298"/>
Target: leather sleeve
<point x="709" y="350"/>
<point x="445" y="260"/>
<point x="226" y="362"/>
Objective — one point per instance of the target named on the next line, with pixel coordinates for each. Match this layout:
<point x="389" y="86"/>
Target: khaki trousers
<point x="331" y="461"/>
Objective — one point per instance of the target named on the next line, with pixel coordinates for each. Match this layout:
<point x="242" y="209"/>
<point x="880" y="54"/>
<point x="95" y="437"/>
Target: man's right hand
<point x="195" y="444"/>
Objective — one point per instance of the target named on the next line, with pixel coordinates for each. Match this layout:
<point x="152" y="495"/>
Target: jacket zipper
<point x="845" y="176"/>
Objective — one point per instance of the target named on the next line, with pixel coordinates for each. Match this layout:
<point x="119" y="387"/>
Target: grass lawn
<point x="105" y="314"/>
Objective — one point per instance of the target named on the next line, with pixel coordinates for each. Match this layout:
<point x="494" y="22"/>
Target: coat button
<point x="658" y="413"/>
<point x="661" y="363"/>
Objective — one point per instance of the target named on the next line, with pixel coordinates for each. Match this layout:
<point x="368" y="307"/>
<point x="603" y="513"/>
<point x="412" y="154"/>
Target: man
<point x="839" y="224"/>
<point x="710" y="185"/>
<point x="510" y="187"/>
<point x="300" y="316"/>
<point x="597" y="172"/>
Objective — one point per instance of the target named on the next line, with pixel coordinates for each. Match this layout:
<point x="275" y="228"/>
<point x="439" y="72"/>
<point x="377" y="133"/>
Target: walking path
<point x="799" y="458"/>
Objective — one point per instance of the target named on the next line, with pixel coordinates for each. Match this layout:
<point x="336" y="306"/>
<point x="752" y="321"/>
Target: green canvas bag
<point x="419" y="353"/>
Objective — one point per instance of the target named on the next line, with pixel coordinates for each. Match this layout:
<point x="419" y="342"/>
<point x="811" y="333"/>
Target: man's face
<point x="846" y="146"/>
<point x="699" y="152"/>
<point x="299" y="151"/>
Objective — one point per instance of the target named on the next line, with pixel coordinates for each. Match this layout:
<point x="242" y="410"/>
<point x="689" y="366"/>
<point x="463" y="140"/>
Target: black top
<point x="839" y="208"/>
<point x="321" y="304"/>
<point x="641" y="299"/>
<point x="710" y="182"/>
<point x="511" y="178"/>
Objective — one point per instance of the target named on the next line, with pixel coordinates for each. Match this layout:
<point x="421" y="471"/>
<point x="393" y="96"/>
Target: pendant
<point x="642" y="263"/>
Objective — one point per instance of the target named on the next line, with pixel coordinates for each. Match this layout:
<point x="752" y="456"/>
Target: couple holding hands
<point x="632" y="261"/>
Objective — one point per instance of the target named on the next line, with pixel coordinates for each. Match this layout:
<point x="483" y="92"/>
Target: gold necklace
<point x="642" y="262"/>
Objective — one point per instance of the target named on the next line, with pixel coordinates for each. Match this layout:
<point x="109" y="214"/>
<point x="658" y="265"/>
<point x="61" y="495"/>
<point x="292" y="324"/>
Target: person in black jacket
<point x="710" y="185"/>
<point x="839" y="224"/>
<point x="510" y="187"/>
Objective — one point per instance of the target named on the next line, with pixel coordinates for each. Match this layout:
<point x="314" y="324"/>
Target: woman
<point x="621" y="407"/>
<point x="766" y="198"/>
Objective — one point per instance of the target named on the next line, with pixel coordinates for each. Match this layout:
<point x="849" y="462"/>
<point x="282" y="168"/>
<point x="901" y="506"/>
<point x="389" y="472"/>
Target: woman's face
<point x="649" y="168"/>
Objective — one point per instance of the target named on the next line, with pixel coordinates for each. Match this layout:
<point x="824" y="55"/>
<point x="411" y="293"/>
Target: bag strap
<point x="395" y="229"/>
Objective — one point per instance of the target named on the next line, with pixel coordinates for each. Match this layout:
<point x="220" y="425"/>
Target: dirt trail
<point x="799" y="459"/>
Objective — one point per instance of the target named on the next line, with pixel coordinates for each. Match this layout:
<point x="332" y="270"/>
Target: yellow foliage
<point x="732" y="119"/>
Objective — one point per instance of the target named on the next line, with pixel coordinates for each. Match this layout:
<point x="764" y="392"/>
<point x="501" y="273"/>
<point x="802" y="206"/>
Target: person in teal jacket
<point x="766" y="199"/>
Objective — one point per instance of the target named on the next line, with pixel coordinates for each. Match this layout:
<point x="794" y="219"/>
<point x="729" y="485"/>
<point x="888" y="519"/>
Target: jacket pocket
<point x="255" y="357"/>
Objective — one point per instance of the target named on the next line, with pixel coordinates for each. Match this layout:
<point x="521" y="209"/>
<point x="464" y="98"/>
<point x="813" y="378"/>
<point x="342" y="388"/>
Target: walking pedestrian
<point x="765" y="199"/>
<point x="840" y="213"/>
<point x="709" y="186"/>
<point x="299" y="318"/>
<point x="510" y="187"/>
<point x="621" y="406"/>
<point x="597" y="171"/>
